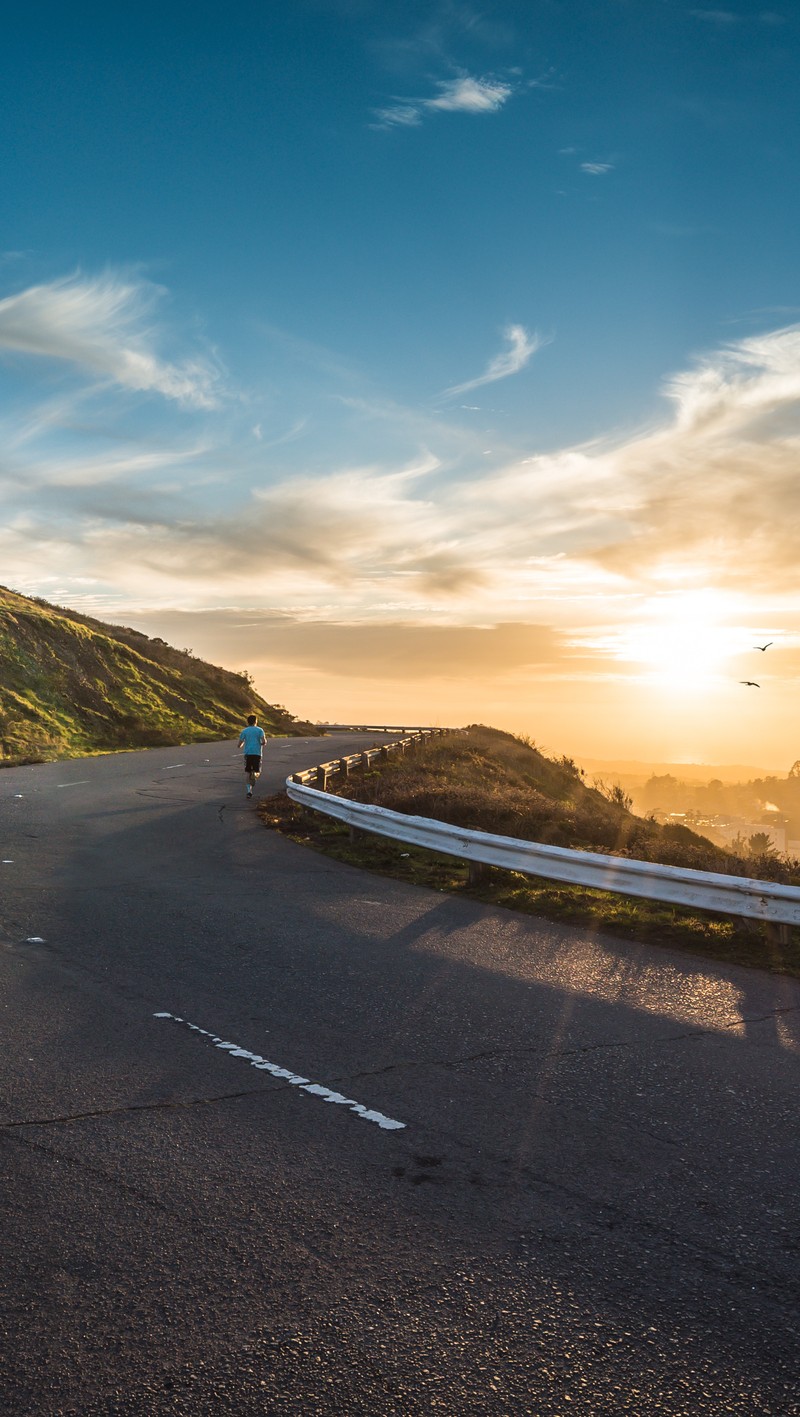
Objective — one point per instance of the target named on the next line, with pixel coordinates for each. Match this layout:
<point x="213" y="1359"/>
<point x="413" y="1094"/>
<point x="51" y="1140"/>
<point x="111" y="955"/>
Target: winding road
<point x="281" y="1137"/>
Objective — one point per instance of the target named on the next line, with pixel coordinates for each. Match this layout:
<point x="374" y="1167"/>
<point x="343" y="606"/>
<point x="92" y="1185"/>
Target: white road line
<point x="305" y="1085"/>
<point x="174" y="765"/>
<point x="81" y="782"/>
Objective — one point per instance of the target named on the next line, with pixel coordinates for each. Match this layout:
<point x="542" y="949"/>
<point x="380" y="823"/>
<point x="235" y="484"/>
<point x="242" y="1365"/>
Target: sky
<point x="435" y="362"/>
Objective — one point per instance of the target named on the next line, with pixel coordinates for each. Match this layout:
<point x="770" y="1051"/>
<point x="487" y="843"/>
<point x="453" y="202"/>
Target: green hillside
<point x="71" y="685"/>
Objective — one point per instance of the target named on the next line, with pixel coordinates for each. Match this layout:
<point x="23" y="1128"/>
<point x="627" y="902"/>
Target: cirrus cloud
<point x="464" y="94"/>
<point x="707" y="494"/>
<point x="99" y="325"/>
<point x="521" y="345"/>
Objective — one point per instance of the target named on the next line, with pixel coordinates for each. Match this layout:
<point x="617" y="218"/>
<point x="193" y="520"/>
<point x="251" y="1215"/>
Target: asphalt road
<point x="589" y="1208"/>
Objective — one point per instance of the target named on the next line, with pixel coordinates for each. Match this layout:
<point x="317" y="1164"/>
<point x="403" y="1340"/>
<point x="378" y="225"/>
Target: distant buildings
<point x="735" y="832"/>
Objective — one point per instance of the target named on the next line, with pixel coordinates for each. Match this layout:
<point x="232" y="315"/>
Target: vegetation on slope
<point x="491" y="781"/>
<point x="494" y="782"/>
<point x="71" y="685"/>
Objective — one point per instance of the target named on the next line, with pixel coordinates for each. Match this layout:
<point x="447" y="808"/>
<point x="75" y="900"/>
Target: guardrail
<point x="744" y="896"/>
<point x="379" y="728"/>
<point x="321" y="774"/>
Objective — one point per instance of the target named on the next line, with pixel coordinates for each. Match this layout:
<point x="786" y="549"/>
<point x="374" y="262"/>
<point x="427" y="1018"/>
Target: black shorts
<point x="252" y="763"/>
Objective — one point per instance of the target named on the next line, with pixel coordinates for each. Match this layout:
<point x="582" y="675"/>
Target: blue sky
<point x="418" y="318"/>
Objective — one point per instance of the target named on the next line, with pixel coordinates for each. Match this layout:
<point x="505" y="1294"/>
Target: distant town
<point x="751" y="817"/>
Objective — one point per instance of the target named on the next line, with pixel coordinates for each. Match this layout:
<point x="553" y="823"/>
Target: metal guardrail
<point x="321" y="774"/>
<point x="378" y="728"/>
<point x="768" y="901"/>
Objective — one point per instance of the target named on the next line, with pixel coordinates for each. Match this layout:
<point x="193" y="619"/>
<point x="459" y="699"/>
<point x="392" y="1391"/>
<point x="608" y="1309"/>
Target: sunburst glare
<point x="682" y="641"/>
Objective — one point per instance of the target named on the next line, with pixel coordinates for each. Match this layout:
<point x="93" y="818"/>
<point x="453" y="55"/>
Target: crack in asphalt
<point x="487" y="1055"/>
<point x="491" y="1054"/>
<point x="164" y="1106"/>
<point x="600" y="1214"/>
<point x="346" y="1079"/>
<point x="84" y="1165"/>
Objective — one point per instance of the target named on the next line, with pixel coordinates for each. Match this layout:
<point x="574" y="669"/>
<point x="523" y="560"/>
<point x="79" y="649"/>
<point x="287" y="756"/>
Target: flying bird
<point x="762" y="647"/>
<point x="751" y="683"/>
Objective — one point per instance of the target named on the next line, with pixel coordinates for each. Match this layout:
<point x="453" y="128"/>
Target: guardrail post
<point x="297" y="807"/>
<point x="344" y="767"/>
<point x="384" y="754"/>
<point x="477" y="873"/>
<point x="776" y="932"/>
<point x="322" y="779"/>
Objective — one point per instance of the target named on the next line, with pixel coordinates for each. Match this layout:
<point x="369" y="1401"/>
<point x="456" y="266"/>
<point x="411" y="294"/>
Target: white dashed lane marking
<point x="81" y="782"/>
<point x="294" y="1079"/>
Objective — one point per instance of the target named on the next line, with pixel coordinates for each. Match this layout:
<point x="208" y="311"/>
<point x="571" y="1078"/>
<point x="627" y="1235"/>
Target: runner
<point x="252" y="739"/>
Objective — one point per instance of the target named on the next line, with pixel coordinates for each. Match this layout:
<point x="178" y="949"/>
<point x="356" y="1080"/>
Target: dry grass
<point x="494" y="782"/>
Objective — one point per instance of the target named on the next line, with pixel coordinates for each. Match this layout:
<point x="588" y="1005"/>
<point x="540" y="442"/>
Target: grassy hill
<point x="491" y="781"/>
<point x="71" y="685"/>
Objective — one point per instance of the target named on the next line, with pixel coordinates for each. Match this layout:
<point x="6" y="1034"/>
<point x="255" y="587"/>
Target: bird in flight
<point x="751" y="683"/>
<point x="762" y="647"/>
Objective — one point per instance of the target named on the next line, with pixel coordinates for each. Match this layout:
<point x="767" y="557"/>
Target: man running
<point x="252" y="739"/>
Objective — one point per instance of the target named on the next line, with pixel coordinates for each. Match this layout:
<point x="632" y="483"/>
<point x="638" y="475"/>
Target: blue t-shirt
<point x="254" y="739"/>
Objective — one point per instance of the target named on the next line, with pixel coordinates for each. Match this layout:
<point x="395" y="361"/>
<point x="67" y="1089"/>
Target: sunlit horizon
<point x="457" y="392"/>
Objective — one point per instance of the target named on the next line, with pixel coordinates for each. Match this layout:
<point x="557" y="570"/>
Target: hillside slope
<point x="494" y="782"/>
<point x="71" y="685"/>
<point x="491" y="781"/>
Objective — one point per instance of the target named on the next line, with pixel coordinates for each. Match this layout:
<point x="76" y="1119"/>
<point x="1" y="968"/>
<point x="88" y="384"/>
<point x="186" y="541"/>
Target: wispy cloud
<point x="716" y="17"/>
<point x="707" y="496"/>
<point x="713" y="493"/>
<point x="727" y="18"/>
<point x="521" y="345"/>
<point x="401" y="114"/>
<point x="100" y="325"/>
<point x="99" y="471"/>
<point x="463" y="94"/>
<point x="597" y="169"/>
<point x="469" y="95"/>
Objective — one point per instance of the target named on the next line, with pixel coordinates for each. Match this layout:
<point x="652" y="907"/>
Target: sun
<point x="682" y="640"/>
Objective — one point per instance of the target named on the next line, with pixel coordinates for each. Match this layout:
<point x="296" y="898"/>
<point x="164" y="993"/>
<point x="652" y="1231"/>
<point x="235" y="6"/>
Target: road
<point x="449" y="1160"/>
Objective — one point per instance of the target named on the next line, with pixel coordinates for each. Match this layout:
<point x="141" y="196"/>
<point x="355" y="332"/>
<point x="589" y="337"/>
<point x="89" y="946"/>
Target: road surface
<point x="281" y="1137"/>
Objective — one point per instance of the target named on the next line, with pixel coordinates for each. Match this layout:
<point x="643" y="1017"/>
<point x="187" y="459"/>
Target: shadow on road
<point x="593" y="1197"/>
